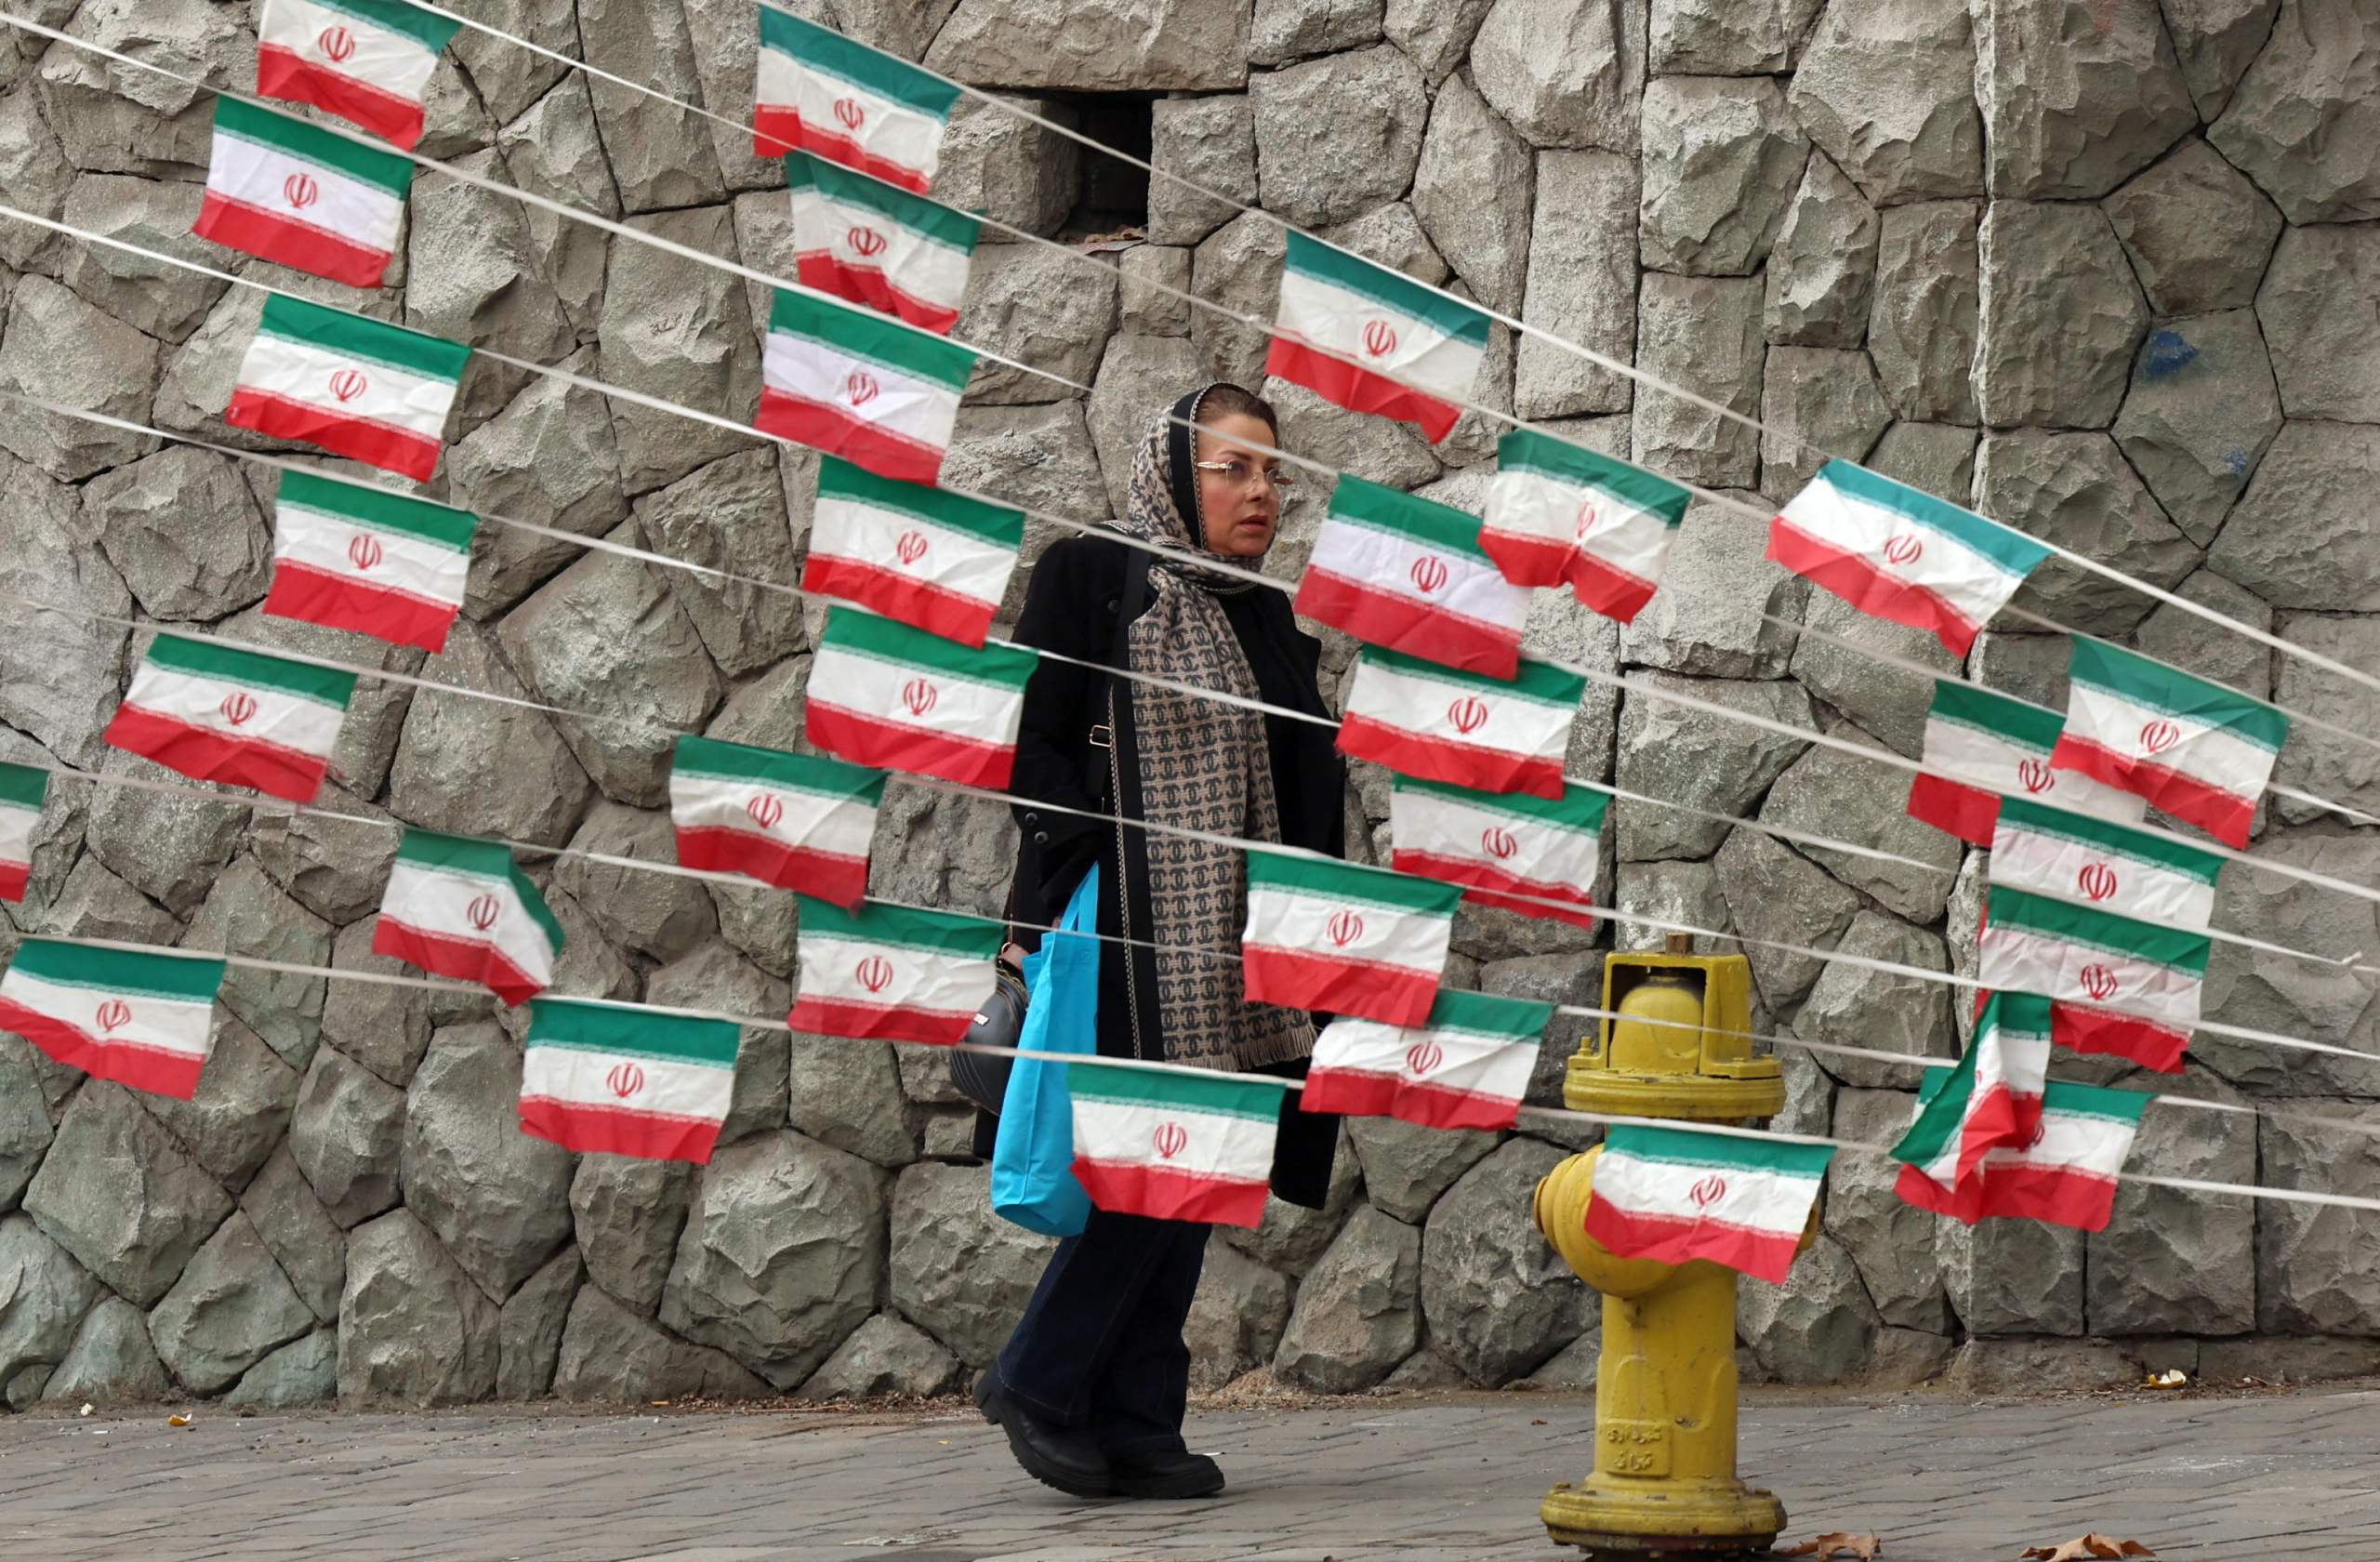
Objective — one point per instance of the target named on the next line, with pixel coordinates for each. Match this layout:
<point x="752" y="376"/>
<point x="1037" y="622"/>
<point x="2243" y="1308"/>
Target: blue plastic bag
<point x="1033" y="1179"/>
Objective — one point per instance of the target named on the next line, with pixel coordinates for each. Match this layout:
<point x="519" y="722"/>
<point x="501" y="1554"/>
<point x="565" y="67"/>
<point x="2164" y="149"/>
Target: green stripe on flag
<point x="2021" y="910"/>
<point x="601" y="1027"/>
<point x="22" y="786"/>
<point x="455" y="853"/>
<point x="391" y="172"/>
<point x="1686" y="1147"/>
<point x="351" y="336"/>
<point x="773" y="767"/>
<point x="879" y="339"/>
<point x="2026" y="726"/>
<point x="1489" y="1015"/>
<point x="1434" y="310"/>
<point x="1539" y="682"/>
<point x="2012" y="550"/>
<point x="178" y="978"/>
<point x="2140" y="682"/>
<point x="867" y="634"/>
<point x="1942" y="1117"/>
<point x="928" y="219"/>
<point x="1426" y="520"/>
<point x="996" y="524"/>
<point x="1579" y="808"/>
<point x="941" y="931"/>
<point x="431" y="33"/>
<point x="829" y="53"/>
<point x="2147" y="846"/>
<point x="2092" y="1101"/>
<point x="1328" y="880"/>
<point x="1210" y="1094"/>
<point x="378" y="508"/>
<point x="1526" y="450"/>
<point x="254" y="669"/>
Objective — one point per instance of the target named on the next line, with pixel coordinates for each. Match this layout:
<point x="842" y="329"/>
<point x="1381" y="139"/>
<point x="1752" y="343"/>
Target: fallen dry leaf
<point x="1864" y="1547"/>
<point x="178" y="1421"/>
<point x="2087" y="1548"/>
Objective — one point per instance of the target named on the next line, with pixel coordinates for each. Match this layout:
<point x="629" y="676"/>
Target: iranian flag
<point x="22" y="790"/>
<point x="625" y="1080"/>
<point x="864" y="240"/>
<point x="2124" y="986"/>
<point x="2198" y="751"/>
<point x="1675" y="1193"/>
<point x="1466" y="1067"/>
<point x="884" y="695"/>
<point x="460" y="907"/>
<point x="144" y="1020"/>
<point x="1502" y="844"/>
<point x="939" y="560"/>
<point x="1409" y="573"/>
<point x="789" y="820"/>
<point x="1174" y="1145"/>
<point x="853" y="104"/>
<point x="367" y="61"/>
<point x="2147" y="874"/>
<point x="2066" y="1170"/>
<point x="892" y="974"/>
<point x="1993" y="1097"/>
<point x="1557" y="513"/>
<point x="355" y="387"/>
<point x="302" y="196"/>
<point x="1892" y="552"/>
<point x="219" y="713"/>
<point x="854" y="384"/>
<point x="1344" y="938"/>
<point x="1370" y="339"/>
<point x="359" y="558"/>
<point x="1981" y="746"/>
<point x="1422" y="719"/>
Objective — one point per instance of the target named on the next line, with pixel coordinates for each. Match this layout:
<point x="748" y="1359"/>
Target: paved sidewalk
<point x="1452" y="1478"/>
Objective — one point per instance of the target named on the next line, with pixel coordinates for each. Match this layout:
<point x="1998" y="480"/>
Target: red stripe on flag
<point x="2060" y="1195"/>
<point x="1861" y="583"/>
<point x="838" y="433"/>
<point x="1359" y="1094"/>
<point x="1484" y="880"/>
<point x="158" y="1070"/>
<point x="466" y="959"/>
<point x="376" y="445"/>
<point x="647" y="1135"/>
<point x="340" y="603"/>
<point x="1638" y="1234"/>
<point x="880" y="1022"/>
<point x="777" y="129"/>
<point x="1162" y="1193"/>
<point x="284" y="75"/>
<point x="1915" y="1187"/>
<point x="826" y="875"/>
<point x="1526" y="558"/>
<point x="2225" y="816"/>
<point x="935" y="609"/>
<point x="209" y="755"/>
<point x="1302" y="979"/>
<point x="1401" y="624"/>
<point x="2146" y="1042"/>
<point x="866" y="740"/>
<point x="1438" y="759"/>
<point x="869" y="285"/>
<point x="14" y="877"/>
<point x="1607" y="588"/>
<point x="1969" y="813"/>
<point x="300" y="245"/>
<point x="1357" y="390"/>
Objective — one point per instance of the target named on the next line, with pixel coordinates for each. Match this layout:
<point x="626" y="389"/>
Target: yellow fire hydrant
<point x="1664" y="1479"/>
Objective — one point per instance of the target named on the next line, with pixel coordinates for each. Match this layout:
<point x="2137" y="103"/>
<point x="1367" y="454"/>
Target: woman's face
<point x="1242" y="507"/>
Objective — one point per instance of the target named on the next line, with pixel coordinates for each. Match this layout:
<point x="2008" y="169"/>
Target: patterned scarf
<point x="1204" y="765"/>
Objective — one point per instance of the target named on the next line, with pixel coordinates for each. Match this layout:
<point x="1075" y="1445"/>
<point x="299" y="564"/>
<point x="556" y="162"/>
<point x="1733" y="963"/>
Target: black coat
<point x="1071" y="606"/>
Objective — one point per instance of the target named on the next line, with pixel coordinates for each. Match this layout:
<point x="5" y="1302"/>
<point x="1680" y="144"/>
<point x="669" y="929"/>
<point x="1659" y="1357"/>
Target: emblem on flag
<point x="302" y="196"/>
<point x="1343" y="939"/>
<point x="219" y="713"/>
<point x="854" y="105"/>
<point x="1411" y="574"/>
<point x="1466" y="1065"/>
<point x="1174" y="1145"/>
<point x="1675" y="1193"/>
<point x="143" y="1019"/>
<point x="2195" y="749"/>
<point x="626" y="1080"/>
<point x="1370" y="339"/>
<point x="368" y="62"/>
<point x="1425" y="720"/>
<point x="897" y="976"/>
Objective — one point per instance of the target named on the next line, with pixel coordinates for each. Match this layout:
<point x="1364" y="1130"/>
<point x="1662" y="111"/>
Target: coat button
<point x="1040" y="838"/>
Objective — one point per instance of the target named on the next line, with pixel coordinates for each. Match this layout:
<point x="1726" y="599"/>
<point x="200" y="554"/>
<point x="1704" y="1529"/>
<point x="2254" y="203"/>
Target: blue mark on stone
<point x="2236" y="463"/>
<point x="2168" y="354"/>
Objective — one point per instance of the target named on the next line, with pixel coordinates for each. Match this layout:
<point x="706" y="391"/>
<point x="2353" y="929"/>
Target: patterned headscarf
<point x="1204" y="765"/>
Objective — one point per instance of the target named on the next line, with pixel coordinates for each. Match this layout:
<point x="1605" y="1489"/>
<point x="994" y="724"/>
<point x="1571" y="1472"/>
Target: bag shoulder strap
<point x="1130" y="601"/>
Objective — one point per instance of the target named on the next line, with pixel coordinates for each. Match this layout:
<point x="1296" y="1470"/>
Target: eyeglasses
<point x="1239" y="474"/>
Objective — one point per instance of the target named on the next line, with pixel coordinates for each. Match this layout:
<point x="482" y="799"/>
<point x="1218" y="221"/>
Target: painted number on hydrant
<point x="1635" y="1447"/>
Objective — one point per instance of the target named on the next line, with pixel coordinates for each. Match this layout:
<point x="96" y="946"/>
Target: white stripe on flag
<point x="891" y="976"/>
<point x="664" y="1087"/>
<point x="313" y="195"/>
<point x="16" y="827"/>
<point x="265" y="715"/>
<point x="1533" y="849"/>
<point x="842" y="827"/>
<point x="386" y="61"/>
<point x="1746" y="1196"/>
<point x="2214" y="755"/>
<point x="1531" y="504"/>
<point x="441" y="902"/>
<point x="1374" y="934"/>
<point x="1426" y="705"/>
<point x="1972" y="583"/>
<point x="1984" y="759"/>
<point x="942" y="556"/>
<point x="1389" y="563"/>
<point x="889" y="131"/>
<point x="952" y="707"/>
<point x="301" y="372"/>
<point x="2019" y="960"/>
<point x="169" y="1024"/>
<point x="1219" y="1146"/>
<point x="2072" y="870"/>
<point x="914" y="263"/>
<point x="1350" y="324"/>
<point x="862" y="389"/>
<point x="397" y="561"/>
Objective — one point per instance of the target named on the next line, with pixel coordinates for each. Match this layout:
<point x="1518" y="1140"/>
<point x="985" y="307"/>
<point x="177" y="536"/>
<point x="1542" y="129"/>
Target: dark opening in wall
<point x="1112" y="194"/>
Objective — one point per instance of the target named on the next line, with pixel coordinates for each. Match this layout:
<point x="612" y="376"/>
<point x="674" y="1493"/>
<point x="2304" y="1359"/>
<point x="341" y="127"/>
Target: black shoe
<point x="1069" y="1461"/>
<point x="1164" y="1474"/>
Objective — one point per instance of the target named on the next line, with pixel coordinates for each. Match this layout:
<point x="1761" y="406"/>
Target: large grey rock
<point x="25" y="1130"/>
<point x="59" y="348"/>
<point x="62" y="683"/>
<point x="111" y="1360"/>
<point x="2171" y="1262"/>
<point x="885" y="1357"/>
<point x="661" y="157"/>
<point x="717" y="978"/>
<point x="368" y="739"/>
<point x="1435" y="35"/>
<point x="1474" y="189"/>
<point x="1890" y="1239"/>
<point x="2308" y="1278"/>
<point x="1669" y="891"/>
<point x="1718" y="592"/>
<point x="1565" y="73"/>
<point x="1713" y="38"/>
<point x="2076" y="95"/>
<point x="1236" y="1317"/>
<point x="2328" y="764"/>
<point x="94" y="903"/>
<point x="2278" y="993"/>
<point x="1937" y="458"/>
<point x="554" y="150"/>
<point x="954" y="853"/>
<point x="1881" y="1011"/>
<point x="170" y="848"/>
<point x="673" y="330"/>
<point x="247" y="914"/>
<point x="548" y="458"/>
<point x="730" y="516"/>
<point x="1922" y="329"/>
<point x="657" y="914"/>
<point x="2198" y="233"/>
<point x="1704" y="335"/>
<point x="1338" y="136"/>
<point x="2030" y="1367"/>
<point x="498" y="1198"/>
<point x="1015" y="171"/>
<point x="1720" y="153"/>
<point x="1133" y="46"/>
<point x="528" y="1330"/>
<point x="1838" y="796"/>
<point x="184" y="530"/>
<point x="1288" y="30"/>
<point x="2077" y="491"/>
<point x="1822" y="272"/>
<point x="783" y="1254"/>
<point x="1043" y="307"/>
<point x="2293" y="538"/>
<point x="2061" y="315"/>
<point x="1139" y="378"/>
<point x="46" y="1294"/>
<point x="1889" y="702"/>
<point x="2218" y="40"/>
<point x="241" y="1108"/>
<point x="1407" y="1167"/>
<point x="1582" y="285"/>
<point x="1291" y="1237"/>
<point x="413" y="1330"/>
<point x="2303" y="121"/>
<point x="1818" y="1326"/>
<point x="1773" y="892"/>
<point x="298" y="1230"/>
<point x="1039" y="457"/>
<point x="162" y="300"/>
<point x="1207" y="141"/>
<point x="958" y="1271"/>
<point x="1817" y="403"/>
<point x="847" y="1094"/>
<point x="2317" y="308"/>
<point x="1695" y="757"/>
<point x="336" y="867"/>
<point x="2211" y="650"/>
<point x="347" y="1134"/>
<point x="381" y="1025"/>
<point x="117" y="1193"/>
<point x="1497" y="1299"/>
<point x="1358" y="1312"/>
<point x="302" y="1372"/>
<point x="472" y="766"/>
<point x="1886" y="89"/>
<point x="231" y="1306"/>
<point x="2202" y="409"/>
<point x="472" y="277"/>
<point x="608" y="1354"/>
<point x="2008" y="1276"/>
<point x="627" y="1213"/>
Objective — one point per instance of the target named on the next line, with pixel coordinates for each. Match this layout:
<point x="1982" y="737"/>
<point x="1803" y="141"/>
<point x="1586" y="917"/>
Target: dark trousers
<point x="1100" y="1347"/>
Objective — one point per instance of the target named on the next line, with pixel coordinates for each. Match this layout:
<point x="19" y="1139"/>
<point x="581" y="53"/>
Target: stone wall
<point x="2103" y="267"/>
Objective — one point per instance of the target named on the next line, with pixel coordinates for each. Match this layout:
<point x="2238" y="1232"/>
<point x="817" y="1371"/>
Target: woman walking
<point x="1092" y="1386"/>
